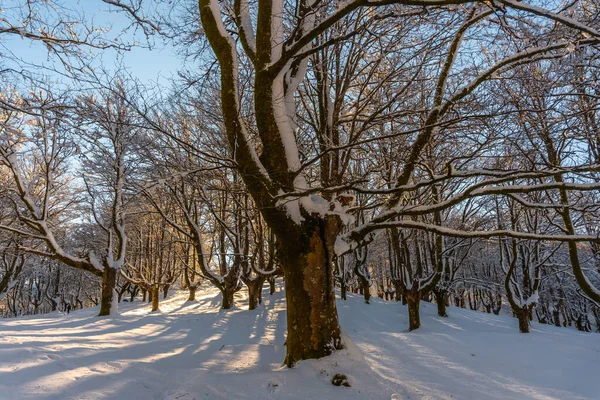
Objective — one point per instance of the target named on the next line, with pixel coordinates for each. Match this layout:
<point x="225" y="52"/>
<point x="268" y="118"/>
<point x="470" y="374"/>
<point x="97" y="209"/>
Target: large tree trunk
<point x="109" y="278"/>
<point x="227" y="293"/>
<point x="313" y="329"/>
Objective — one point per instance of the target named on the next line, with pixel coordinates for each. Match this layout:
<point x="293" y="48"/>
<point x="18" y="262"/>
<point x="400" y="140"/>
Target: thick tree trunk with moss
<point x="313" y="329"/>
<point x="306" y="247"/>
<point x="109" y="279"/>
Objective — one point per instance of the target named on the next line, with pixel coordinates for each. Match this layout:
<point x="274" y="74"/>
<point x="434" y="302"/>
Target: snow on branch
<point x="351" y="242"/>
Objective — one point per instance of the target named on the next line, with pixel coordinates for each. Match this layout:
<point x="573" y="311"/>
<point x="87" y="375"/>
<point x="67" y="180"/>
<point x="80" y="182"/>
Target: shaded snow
<point x="194" y="350"/>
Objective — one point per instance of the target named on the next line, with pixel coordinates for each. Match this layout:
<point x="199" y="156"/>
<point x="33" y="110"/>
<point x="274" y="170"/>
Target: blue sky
<point x="156" y="64"/>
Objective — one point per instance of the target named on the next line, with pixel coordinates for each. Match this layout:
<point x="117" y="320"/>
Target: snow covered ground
<point x="197" y="351"/>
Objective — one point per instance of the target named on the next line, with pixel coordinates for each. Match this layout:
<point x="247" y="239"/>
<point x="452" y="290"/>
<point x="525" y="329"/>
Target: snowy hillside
<point x="197" y="351"/>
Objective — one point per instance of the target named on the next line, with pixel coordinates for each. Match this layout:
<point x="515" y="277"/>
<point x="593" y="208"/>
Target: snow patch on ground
<point x="195" y="350"/>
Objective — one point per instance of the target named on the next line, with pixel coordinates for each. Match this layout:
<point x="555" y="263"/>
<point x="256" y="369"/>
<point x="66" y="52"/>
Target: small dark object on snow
<point x="340" y="380"/>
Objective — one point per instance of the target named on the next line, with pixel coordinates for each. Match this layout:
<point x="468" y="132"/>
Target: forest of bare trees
<point x="445" y="151"/>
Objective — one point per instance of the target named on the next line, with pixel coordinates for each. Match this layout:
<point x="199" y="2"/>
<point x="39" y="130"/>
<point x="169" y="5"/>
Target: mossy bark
<point x="313" y="329"/>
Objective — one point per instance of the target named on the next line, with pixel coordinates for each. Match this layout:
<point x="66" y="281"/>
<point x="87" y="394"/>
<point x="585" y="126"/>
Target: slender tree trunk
<point x="230" y="284"/>
<point x="556" y="317"/>
<point x="364" y="288"/>
<point x="155" y="296"/>
<point x="271" y="285"/>
<point x="192" y="295"/>
<point x="399" y="294"/>
<point x="252" y="297"/>
<point x="109" y="278"/>
<point x="471" y="302"/>
<point x="440" y="299"/>
<point x="166" y="291"/>
<point x="343" y="289"/>
<point x="54" y="306"/>
<point x="414" y="317"/>
<point x="523" y="317"/>
<point x="124" y="289"/>
<point x="254" y="292"/>
<point x="134" y="291"/>
<point x="580" y="324"/>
